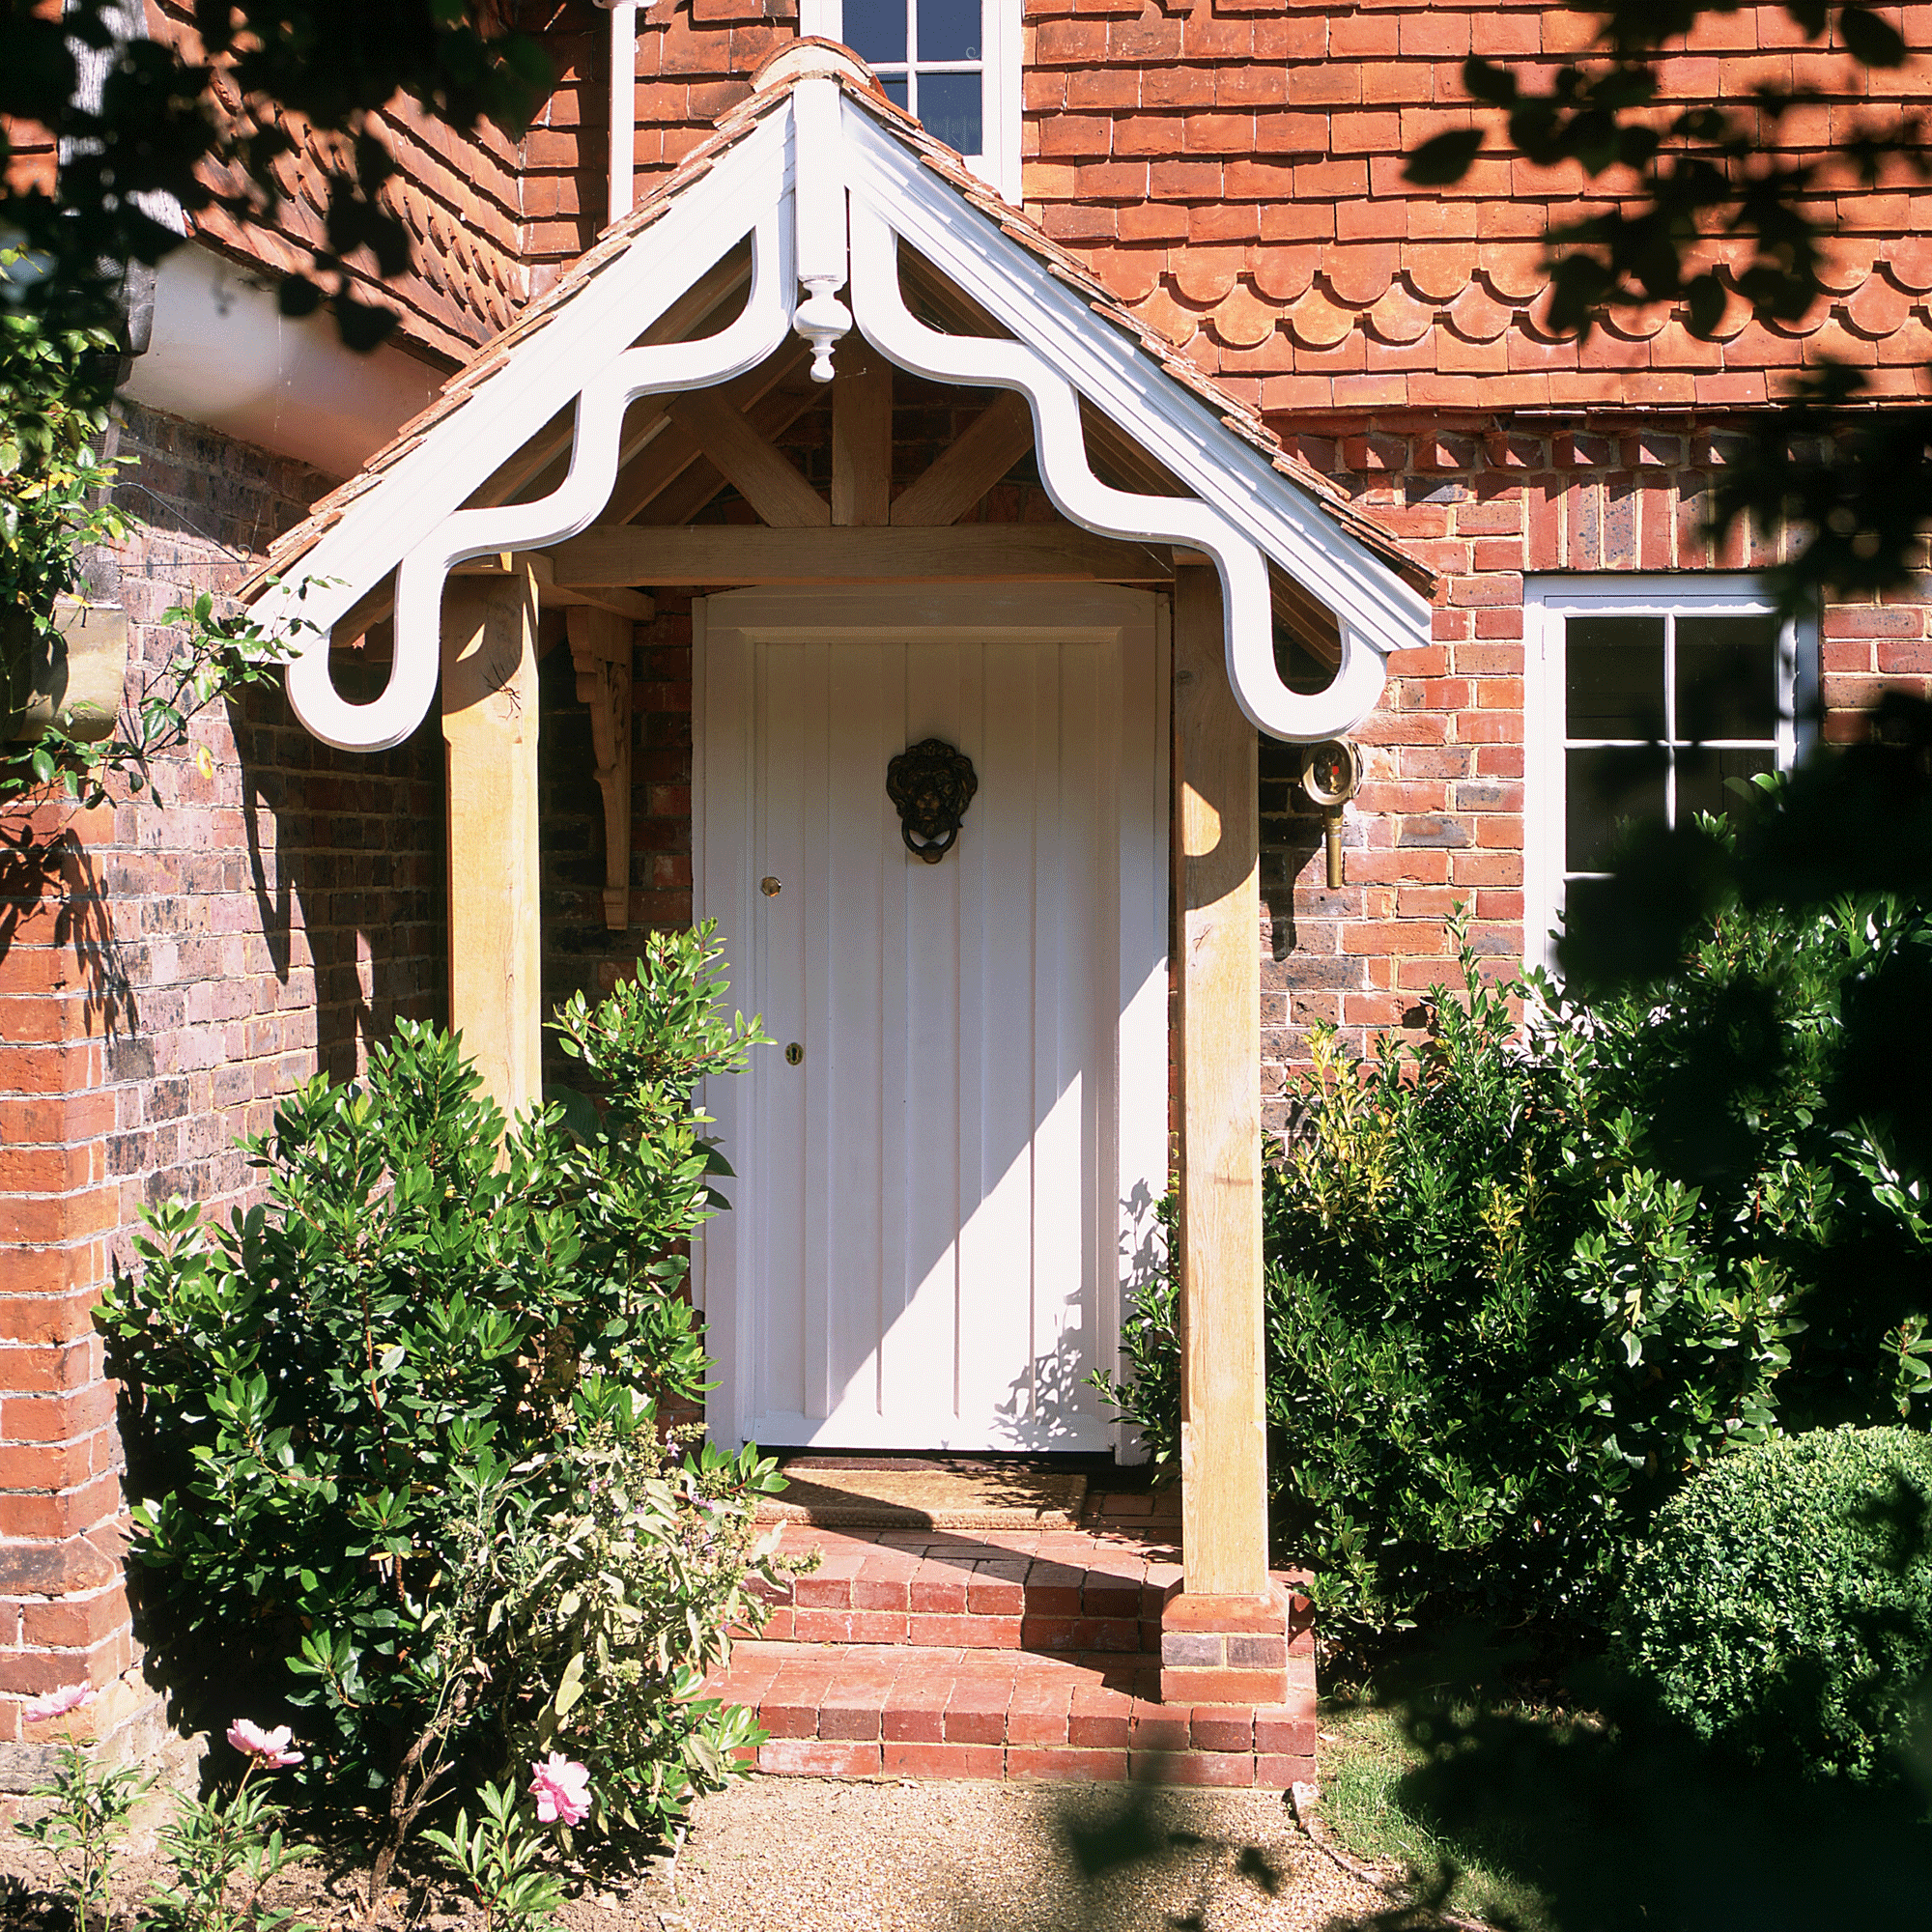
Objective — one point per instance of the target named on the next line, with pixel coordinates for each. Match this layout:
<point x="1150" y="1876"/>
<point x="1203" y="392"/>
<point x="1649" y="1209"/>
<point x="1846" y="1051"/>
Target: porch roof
<point x="779" y="168"/>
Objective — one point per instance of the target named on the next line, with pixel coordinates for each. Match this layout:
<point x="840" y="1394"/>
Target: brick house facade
<point x="1230" y="170"/>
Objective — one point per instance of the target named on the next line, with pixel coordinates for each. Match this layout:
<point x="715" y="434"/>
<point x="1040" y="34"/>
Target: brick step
<point x="1061" y="1591"/>
<point x="860" y="1710"/>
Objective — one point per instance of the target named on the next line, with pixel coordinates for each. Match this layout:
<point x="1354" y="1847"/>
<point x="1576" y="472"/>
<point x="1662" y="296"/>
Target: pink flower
<point x="268" y="1748"/>
<point x="57" y="1703"/>
<point x="562" y="1788"/>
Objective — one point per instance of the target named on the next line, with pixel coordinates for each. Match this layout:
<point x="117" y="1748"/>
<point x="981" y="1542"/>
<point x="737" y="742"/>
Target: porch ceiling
<point x="600" y="432"/>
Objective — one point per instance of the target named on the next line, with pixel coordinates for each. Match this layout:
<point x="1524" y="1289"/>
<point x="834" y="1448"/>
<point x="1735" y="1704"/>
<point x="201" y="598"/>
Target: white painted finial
<point x="823" y="319"/>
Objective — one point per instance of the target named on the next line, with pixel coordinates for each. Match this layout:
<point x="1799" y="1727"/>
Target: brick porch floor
<point x="996" y="1653"/>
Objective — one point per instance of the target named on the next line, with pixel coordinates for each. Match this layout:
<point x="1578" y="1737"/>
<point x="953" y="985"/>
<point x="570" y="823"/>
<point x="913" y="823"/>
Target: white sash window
<point x="1644" y="697"/>
<point x="955" y="63"/>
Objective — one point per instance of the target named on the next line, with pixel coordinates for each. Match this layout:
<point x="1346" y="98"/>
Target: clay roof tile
<point x="1359" y="275"/>
<point x="1397" y="317"/>
<point x="1878" y="307"/>
<point x="1243" y="321"/>
<point x="1318" y="322"/>
<point x="1844" y="264"/>
<point x="1280" y="275"/>
<point x="1909" y="263"/>
<point x="1477" y="316"/>
<point x="1206" y="276"/>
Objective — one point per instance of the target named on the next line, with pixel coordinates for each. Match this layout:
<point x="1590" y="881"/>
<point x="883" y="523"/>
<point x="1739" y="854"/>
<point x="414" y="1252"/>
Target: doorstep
<point x="1002" y="1653"/>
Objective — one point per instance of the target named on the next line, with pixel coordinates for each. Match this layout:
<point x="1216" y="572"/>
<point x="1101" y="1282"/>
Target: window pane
<point x="1728" y="678"/>
<point x="1701" y="775"/>
<point x="1614" y="677"/>
<point x="876" y="30"/>
<point x="949" y="30"/>
<point x="896" y="88"/>
<point x="949" y="103"/>
<point x="1604" y="788"/>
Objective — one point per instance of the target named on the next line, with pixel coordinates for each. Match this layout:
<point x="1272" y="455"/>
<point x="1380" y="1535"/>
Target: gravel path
<point x="818" y="1855"/>
<point x="809" y="1855"/>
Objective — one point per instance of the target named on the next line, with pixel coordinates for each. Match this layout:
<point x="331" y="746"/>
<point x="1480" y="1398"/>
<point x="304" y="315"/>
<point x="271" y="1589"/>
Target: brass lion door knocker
<point x="931" y="784"/>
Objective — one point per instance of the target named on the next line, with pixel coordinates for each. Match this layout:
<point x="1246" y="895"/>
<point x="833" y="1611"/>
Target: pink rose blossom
<point x="57" y="1703"/>
<point x="270" y="1747"/>
<point x="562" y="1788"/>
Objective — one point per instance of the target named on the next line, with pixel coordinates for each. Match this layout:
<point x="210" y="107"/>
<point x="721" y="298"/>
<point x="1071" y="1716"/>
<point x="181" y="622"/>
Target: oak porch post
<point x="489" y="736"/>
<point x="1224" y="1636"/>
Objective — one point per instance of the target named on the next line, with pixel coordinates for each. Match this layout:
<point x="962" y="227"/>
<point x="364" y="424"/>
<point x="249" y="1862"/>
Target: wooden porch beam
<point x="490" y="736"/>
<point x="551" y="594"/>
<point x="982" y="453"/>
<point x="1217" y="871"/>
<point x="372" y="609"/>
<point x="722" y="553"/>
<point x="861" y="437"/>
<point x="765" y="476"/>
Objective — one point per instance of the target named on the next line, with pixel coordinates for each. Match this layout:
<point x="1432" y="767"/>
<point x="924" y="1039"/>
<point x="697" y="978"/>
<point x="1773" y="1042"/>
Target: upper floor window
<point x="955" y="63"/>
<point x="1643" y="698"/>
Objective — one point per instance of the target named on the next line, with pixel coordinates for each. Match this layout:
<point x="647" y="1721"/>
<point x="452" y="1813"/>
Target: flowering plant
<point x="499" y="1854"/>
<point x="213" y="1842"/>
<point x="366" y="1422"/>
<point x="86" y="1810"/>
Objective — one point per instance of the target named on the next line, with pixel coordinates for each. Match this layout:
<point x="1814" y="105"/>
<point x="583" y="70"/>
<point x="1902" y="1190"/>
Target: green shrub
<point x="1524" y="1279"/>
<point x="394" y="1438"/>
<point x="1783" y="1605"/>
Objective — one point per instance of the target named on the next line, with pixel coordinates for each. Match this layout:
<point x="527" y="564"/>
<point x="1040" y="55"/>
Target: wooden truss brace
<point x="600" y="651"/>
<point x="765" y="476"/>
<point x="982" y="453"/>
<point x="671" y="479"/>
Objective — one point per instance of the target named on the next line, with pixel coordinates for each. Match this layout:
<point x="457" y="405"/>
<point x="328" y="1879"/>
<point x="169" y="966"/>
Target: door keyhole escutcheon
<point x="770" y="887"/>
<point x="794" y="1054"/>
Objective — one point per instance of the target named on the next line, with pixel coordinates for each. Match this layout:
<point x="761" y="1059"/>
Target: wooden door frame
<point x="725" y="889"/>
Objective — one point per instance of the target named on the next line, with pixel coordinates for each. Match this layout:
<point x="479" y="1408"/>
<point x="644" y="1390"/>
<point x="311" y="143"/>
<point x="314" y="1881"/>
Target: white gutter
<point x="623" y="106"/>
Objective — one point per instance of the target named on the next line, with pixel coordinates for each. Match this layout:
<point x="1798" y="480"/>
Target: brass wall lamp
<point x="931" y="784"/>
<point x="1331" y="773"/>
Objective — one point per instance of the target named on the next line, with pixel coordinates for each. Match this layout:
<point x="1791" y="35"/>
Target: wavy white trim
<point x="756" y="334"/>
<point x="986" y="361"/>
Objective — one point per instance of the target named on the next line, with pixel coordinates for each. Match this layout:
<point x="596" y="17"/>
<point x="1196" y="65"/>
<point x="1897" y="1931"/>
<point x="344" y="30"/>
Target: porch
<point x="622" y="446"/>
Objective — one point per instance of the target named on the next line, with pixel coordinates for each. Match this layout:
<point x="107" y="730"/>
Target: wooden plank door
<point x="928" y="1225"/>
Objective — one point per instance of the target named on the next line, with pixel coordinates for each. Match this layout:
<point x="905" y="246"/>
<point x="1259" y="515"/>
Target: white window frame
<point x="1000" y="66"/>
<point x="1548" y="602"/>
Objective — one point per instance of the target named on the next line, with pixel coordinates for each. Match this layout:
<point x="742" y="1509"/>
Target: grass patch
<point x="1372" y="1802"/>
<point x="1540" y="1819"/>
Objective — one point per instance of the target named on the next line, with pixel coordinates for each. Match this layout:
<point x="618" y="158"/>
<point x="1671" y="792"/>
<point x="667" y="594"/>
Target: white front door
<point x="948" y="1161"/>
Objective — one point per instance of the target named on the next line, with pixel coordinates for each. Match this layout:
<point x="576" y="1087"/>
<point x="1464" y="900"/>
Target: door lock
<point x="794" y="1054"/>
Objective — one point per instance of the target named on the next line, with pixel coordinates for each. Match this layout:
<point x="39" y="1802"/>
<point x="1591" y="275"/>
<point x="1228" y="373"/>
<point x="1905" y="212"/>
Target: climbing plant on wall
<point x="55" y="507"/>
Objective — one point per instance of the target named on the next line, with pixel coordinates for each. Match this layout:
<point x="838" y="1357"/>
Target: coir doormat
<point x="837" y="1494"/>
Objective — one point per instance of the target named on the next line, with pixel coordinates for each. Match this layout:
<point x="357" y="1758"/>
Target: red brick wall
<point x="1439" y="821"/>
<point x="167" y="967"/>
